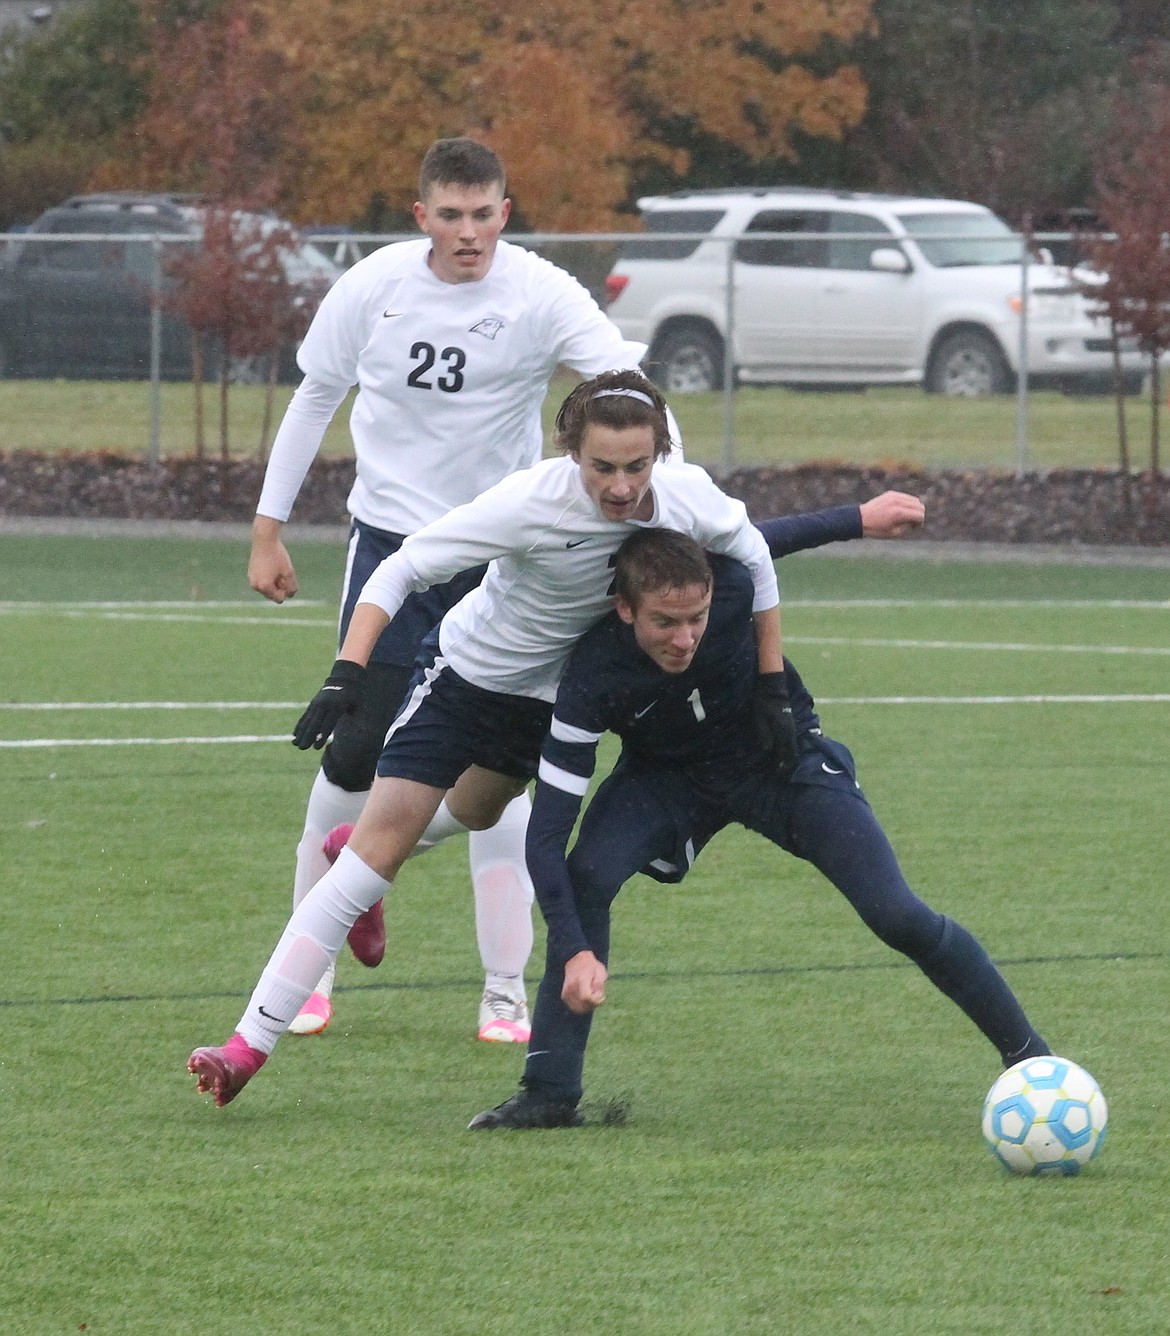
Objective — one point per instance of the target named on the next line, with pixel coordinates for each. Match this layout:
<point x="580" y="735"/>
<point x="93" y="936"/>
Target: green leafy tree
<point x="989" y="100"/>
<point x="63" y="96"/>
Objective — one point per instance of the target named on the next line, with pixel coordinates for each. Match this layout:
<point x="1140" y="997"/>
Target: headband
<point x="624" y="394"/>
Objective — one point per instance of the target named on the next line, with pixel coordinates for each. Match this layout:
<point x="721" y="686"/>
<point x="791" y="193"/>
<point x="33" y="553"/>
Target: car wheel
<point x="687" y="360"/>
<point x="970" y="364"/>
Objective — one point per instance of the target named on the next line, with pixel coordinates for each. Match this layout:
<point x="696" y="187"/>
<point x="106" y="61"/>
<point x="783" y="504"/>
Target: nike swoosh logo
<point x="392" y="315"/>
<point x="828" y="769"/>
<point x="577" y="542"/>
<point x="268" y="1016"/>
<point x="538" y="1053"/>
<point x="639" y="713"/>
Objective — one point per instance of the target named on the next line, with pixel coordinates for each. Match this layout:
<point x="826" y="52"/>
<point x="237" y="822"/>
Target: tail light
<point x="615" y="285"/>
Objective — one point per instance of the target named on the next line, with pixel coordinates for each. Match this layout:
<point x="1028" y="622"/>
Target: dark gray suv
<point x="81" y="309"/>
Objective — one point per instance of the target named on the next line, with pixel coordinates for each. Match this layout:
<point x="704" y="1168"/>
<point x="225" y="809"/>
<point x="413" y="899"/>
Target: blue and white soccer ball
<point x="1045" y="1116"/>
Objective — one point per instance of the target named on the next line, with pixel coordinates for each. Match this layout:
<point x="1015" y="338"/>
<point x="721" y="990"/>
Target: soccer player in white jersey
<point x="451" y="340"/>
<point x="481" y="699"/>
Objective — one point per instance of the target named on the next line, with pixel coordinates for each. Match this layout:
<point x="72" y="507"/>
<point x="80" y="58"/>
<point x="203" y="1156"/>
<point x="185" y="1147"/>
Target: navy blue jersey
<point x="797" y="533"/>
<point x="697" y="722"/>
<point x="700" y="716"/>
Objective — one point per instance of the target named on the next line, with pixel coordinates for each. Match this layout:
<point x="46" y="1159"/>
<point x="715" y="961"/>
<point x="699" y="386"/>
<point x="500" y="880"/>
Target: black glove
<point x="774" y="725"/>
<point x="340" y="695"/>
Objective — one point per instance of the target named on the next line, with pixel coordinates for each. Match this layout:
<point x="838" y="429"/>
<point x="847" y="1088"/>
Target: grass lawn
<point x="801" y="1152"/>
<point x="771" y="426"/>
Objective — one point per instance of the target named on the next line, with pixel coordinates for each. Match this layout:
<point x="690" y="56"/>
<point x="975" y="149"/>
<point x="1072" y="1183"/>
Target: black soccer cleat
<point x="526" y="1110"/>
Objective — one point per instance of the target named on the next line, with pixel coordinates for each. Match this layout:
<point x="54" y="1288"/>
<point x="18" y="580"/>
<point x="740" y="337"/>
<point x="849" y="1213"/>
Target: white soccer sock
<point x="442" y="826"/>
<point x="329" y="806"/>
<point x="314" y="935"/>
<point x="503" y="897"/>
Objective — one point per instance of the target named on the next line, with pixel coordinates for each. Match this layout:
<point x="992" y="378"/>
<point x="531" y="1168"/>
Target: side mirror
<point x="889" y="260"/>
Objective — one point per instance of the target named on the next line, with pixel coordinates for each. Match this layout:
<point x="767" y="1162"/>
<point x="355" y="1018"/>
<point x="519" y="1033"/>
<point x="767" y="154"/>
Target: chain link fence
<point x="782" y="348"/>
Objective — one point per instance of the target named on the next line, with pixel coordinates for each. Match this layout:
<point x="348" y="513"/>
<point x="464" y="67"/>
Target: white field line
<point x="282" y="623"/>
<point x="165" y="610"/>
<point x="234" y="612"/>
<point x="1091" y="604"/>
<point x="286" y="617"/>
<point x="14" y="605"/>
<point x="982" y="646"/>
<point x="122" y="611"/>
<point x="30" y="743"/>
<point x="1160" y="698"/>
<point x="50" y="706"/>
<point x="869" y="642"/>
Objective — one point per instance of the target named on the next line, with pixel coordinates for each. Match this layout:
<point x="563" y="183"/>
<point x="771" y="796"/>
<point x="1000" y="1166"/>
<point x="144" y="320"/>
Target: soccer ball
<point x="1045" y="1116"/>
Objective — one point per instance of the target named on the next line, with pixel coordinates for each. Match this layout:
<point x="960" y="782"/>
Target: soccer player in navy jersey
<point x="672" y="671"/>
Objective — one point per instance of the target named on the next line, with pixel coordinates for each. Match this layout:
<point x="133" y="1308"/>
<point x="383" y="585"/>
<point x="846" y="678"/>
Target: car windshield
<point x="304" y="263"/>
<point x="955" y="240"/>
<point x="671" y="220"/>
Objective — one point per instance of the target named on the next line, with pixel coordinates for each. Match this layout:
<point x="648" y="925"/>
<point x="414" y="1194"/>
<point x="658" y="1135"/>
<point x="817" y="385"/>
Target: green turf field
<point x="801" y="1152"/>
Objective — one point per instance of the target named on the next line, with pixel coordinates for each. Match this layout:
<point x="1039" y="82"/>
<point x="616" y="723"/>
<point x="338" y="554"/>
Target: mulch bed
<point x="1086" y="506"/>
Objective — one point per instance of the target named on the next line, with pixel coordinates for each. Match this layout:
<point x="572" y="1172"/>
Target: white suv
<point x="862" y="290"/>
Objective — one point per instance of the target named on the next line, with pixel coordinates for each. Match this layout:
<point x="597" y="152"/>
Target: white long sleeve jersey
<point x="450" y="376"/>
<point x="551" y="553"/>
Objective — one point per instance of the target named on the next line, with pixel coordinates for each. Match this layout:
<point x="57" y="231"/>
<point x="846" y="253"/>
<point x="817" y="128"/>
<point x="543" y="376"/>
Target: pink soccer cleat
<point x="224" y="1072"/>
<point x="367" y="937"/>
<point x="503" y="1018"/>
<point x="336" y="840"/>
<point x="313" y="1017"/>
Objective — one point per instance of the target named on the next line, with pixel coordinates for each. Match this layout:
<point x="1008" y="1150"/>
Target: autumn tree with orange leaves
<point x="339" y="99"/>
<point x="216" y="119"/>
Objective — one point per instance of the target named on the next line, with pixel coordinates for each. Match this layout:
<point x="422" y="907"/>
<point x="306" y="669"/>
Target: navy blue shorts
<point x="684" y="811"/>
<point x="400" y="642"/>
<point x="446" y="724"/>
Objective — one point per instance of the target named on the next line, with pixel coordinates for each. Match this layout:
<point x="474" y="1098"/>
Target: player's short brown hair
<point x="459" y="162"/>
<point x="651" y="561"/>
<point x="616" y="399"/>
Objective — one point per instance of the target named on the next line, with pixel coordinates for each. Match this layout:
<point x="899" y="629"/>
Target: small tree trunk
<point x="197" y="386"/>
<point x="1156" y="404"/>
<point x="224" y="434"/>
<point x="269" y="397"/>
<point x="1119" y="392"/>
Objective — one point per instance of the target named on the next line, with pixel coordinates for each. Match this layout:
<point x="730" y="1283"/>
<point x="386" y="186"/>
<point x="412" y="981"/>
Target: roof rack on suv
<point x="757" y="192"/>
<point x="137" y="201"/>
<point x="130" y="201"/>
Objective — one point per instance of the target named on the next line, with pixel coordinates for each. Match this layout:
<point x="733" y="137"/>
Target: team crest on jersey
<point x="489" y="326"/>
